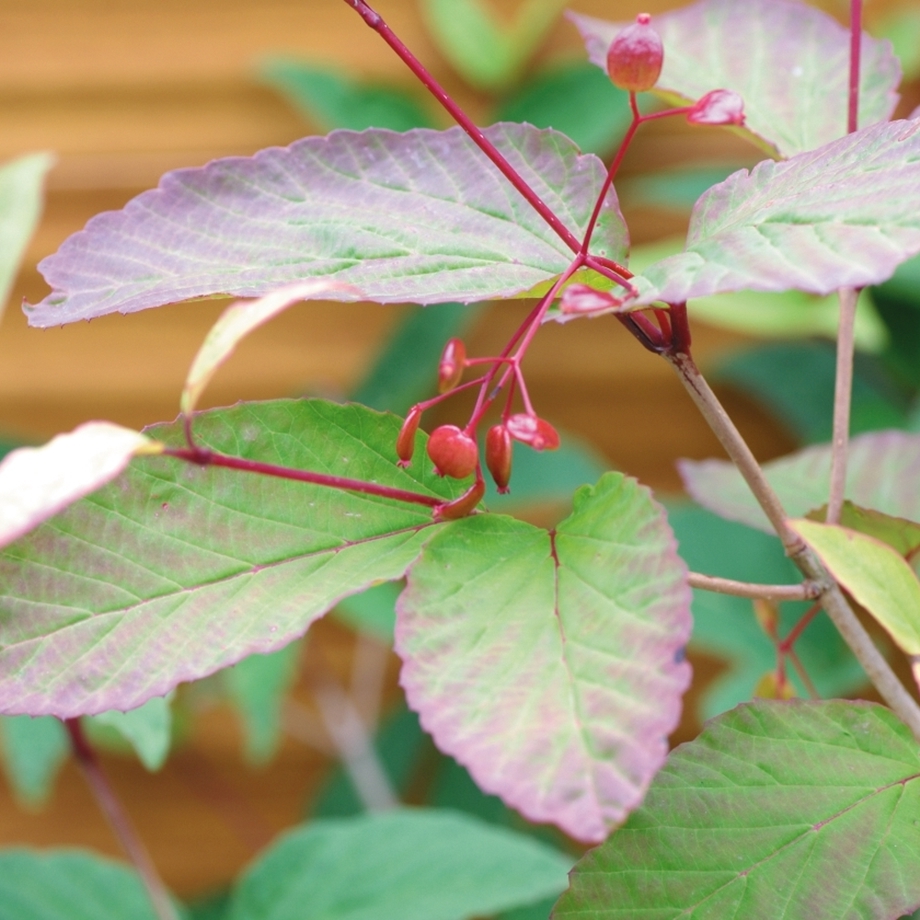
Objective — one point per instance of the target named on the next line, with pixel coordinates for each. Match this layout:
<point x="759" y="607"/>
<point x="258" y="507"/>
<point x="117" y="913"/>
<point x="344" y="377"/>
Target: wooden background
<point x="122" y="90"/>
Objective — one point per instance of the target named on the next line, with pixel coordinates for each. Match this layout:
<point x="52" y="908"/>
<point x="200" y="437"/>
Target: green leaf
<point x="257" y="686"/>
<point x="547" y="663"/>
<point x="421" y="217"/>
<point x="407" y="864"/>
<point x="875" y="574"/>
<point x="789" y="810"/>
<point x="781" y="314"/>
<point x="33" y="752"/>
<point x="487" y="54"/>
<point x="788" y="61"/>
<point x="795" y="382"/>
<point x="176" y="570"/>
<point x="898" y="533"/>
<point x="881" y="474"/>
<point x="148" y="729"/>
<point x="20" y="207"/>
<point x="69" y="885"/>
<point x="842" y="215"/>
<point x="726" y="626"/>
<point x="338" y="101"/>
<point x="571" y="98"/>
<point x="406" y="369"/>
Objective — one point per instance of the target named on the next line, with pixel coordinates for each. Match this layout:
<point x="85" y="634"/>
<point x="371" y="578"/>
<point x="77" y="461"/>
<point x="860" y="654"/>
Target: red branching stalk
<point x="210" y="458"/>
<point x="119" y="821"/>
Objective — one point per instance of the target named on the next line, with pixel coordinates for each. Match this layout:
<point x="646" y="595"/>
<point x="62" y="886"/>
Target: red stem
<point x="855" y="50"/>
<point x="209" y="458"/>
<point x="786" y="645"/>
<point x="375" y="21"/>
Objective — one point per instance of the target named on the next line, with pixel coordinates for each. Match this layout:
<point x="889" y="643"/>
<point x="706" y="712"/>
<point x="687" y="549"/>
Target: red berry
<point x="499" y="451"/>
<point x="719" y="107"/>
<point x="453" y="361"/>
<point x="405" y="440"/>
<point x="635" y="56"/>
<point x="453" y="452"/>
<point x="537" y="433"/>
<point x="462" y="506"/>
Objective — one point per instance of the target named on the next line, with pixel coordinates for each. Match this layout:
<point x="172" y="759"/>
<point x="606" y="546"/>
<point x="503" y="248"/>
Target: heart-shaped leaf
<point x="845" y="214"/>
<point x="37" y="482"/>
<point x="421" y="217"/>
<point x="786" y="809"/>
<point x="877" y="576"/>
<point x="405" y="864"/>
<point x="550" y="663"/>
<point x="788" y="61"/>
<point x="882" y="474"/>
<point x="175" y="571"/>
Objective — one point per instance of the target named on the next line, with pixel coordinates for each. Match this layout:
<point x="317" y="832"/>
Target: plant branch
<point x="802" y="592"/>
<point x="375" y="21"/>
<point x="210" y="458"/>
<point x="843" y="387"/>
<point x="119" y="821"/>
<point x="832" y="598"/>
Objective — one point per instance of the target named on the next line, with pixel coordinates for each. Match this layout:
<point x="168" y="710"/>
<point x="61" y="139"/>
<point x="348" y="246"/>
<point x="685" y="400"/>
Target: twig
<point x="843" y="388"/>
<point x="352" y="741"/>
<point x="855" y="51"/>
<point x="807" y="682"/>
<point x="803" y="592"/>
<point x="832" y="598"/>
<point x="736" y="448"/>
<point x="119" y="822"/>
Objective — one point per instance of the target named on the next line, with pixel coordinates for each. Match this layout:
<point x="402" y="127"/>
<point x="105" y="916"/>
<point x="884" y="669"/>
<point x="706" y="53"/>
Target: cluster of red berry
<point x="453" y="450"/>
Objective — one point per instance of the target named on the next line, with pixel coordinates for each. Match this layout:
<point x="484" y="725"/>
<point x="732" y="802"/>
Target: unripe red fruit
<point x="462" y="506"/>
<point x="453" y="452"/>
<point x="405" y="440"/>
<point x="528" y="429"/>
<point x="635" y="56"/>
<point x="499" y="451"/>
<point x="450" y="368"/>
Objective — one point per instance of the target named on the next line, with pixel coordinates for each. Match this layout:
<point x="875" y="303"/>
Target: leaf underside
<point x="778" y="810"/>
<point x="789" y="62"/>
<point x="844" y="215"/>
<point x="883" y="474"/>
<point x="175" y="571"/>
<point x="549" y="663"/>
<point x="421" y="217"/>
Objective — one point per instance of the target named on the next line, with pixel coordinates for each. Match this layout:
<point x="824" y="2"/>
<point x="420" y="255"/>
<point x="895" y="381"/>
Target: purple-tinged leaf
<point x="844" y="215"/>
<point x="235" y="323"/>
<point x="883" y="473"/>
<point x="175" y="571"/>
<point x="777" y="810"/>
<point x="876" y="575"/>
<point x="550" y="664"/>
<point x="38" y="482"/>
<point x="788" y="61"/>
<point x="421" y="217"/>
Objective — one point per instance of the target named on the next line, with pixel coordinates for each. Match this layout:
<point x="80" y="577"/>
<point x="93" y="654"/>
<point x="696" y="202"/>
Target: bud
<point x="453" y="452"/>
<point x="635" y="56"/>
<point x="769" y="687"/>
<point x="581" y="299"/>
<point x="719" y="107"/>
<point x="405" y="440"/>
<point x="450" y="369"/>
<point x="462" y="506"/>
<point x="499" y="452"/>
<point x="533" y="431"/>
<point x="767" y="614"/>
